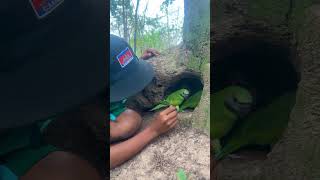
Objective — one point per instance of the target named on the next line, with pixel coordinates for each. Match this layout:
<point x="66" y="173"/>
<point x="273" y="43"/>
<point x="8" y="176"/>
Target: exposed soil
<point x="184" y="147"/>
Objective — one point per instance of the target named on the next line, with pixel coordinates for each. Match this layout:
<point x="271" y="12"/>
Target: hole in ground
<point x="187" y="80"/>
<point x="264" y="67"/>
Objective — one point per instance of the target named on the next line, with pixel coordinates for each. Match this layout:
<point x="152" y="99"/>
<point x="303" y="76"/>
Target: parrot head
<point x="240" y="103"/>
<point x="185" y="93"/>
<point x="243" y="97"/>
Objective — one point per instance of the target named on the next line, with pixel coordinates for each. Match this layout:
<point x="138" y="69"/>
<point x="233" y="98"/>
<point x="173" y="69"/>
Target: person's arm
<point x="123" y="151"/>
<point x="149" y="53"/>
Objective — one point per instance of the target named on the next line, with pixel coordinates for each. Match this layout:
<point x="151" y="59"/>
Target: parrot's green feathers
<point x="192" y="101"/>
<point x="162" y="104"/>
<point x="159" y="106"/>
<point x="216" y="146"/>
<point x="229" y="148"/>
<point x="223" y="118"/>
<point x="262" y="127"/>
<point x="175" y="99"/>
<point x="243" y="95"/>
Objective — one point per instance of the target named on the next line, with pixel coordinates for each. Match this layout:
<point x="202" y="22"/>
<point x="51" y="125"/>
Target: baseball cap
<point x="52" y="64"/>
<point x="128" y="74"/>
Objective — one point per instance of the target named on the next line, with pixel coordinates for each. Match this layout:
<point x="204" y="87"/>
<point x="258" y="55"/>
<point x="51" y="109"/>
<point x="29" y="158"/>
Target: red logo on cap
<point x="44" y="7"/>
<point x="125" y="57"/>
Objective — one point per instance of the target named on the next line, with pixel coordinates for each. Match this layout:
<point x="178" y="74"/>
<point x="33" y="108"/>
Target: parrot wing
<point x="192" y="102"/>
<point x="229" y="148"/>
<point x="174" y="99"/>
<point x="262" y="127"/>
<point x="162" y="104"/>
<point x="222" y="118"/>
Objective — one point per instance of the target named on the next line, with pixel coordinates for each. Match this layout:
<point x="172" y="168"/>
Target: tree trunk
<point x="196" y="31"/>
<point x="125" y="21"/>
<point x="168" y="26"/>
<point x="135" y="28"/>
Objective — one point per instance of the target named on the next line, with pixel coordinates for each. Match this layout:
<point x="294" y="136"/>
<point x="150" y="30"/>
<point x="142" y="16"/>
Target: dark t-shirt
<point x="52" y="57"/>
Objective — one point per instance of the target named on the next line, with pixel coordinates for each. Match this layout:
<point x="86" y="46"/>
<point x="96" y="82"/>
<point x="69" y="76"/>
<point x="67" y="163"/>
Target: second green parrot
<point x="175" y="99"/>
<point x="192" y="102"/>
<point x="261" y="127"/>
<point x="228" y="105"/>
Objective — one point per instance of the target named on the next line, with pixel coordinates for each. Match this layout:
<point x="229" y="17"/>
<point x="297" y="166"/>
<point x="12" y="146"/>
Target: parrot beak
<point x="185" y="94"/>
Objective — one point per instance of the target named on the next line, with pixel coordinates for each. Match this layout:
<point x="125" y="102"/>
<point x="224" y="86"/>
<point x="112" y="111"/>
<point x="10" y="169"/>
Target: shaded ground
<point x="183" y="147"/>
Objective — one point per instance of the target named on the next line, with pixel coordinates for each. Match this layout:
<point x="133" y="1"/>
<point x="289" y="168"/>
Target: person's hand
<point x="164" y="121"/>
<point x="149" y="53"/>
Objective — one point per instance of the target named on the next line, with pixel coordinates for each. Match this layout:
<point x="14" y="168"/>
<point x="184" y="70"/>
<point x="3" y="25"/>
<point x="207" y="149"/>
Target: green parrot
<point x="175" y="99"/>
<point x="262" y="127"/>
<point x="192" y="101"/>
<point x="228" y="105"/>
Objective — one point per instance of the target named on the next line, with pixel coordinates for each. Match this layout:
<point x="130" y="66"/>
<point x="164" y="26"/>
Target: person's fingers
<point x="172" y="114"/>
<point x="168" y="110"/>
<point x="173" y="124"/>
<point x="153" y="51"/>
<point x="171" y="121"/>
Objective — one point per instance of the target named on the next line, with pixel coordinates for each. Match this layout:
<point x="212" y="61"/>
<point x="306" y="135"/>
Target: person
<point x="128" y="76"/>
<point x="52" y="60"/>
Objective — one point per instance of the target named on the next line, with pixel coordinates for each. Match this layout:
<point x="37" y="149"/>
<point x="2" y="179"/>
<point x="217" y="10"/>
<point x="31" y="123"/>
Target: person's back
<point x="52" y="51"/>
<point x="53" y="58"/>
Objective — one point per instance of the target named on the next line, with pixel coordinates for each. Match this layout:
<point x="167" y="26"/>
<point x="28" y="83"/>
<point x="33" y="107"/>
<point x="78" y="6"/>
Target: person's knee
<point x="63" y="166"/>
<point x="128" y="123"/>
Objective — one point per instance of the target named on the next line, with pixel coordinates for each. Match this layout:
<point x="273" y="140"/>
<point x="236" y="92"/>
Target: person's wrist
<point x="152" y="132"/>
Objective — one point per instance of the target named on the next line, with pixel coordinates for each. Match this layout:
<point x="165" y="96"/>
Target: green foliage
<point x="153" y="38"/>
<point x="121" y="10"/>
<point x="151" y="32"/>
<point x="165" y="4"/>
<point x="181" y="175"/>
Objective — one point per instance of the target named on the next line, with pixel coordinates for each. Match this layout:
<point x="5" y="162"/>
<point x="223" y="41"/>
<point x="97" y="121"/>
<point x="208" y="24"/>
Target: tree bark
<point x="168" y="26"/>
<point x="125" y="21"/>
<point x="136" y="28"/>
<point x="196" y="32"/>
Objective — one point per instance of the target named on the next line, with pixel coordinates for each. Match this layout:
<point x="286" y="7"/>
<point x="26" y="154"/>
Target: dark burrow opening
<point x="264" y="67"/>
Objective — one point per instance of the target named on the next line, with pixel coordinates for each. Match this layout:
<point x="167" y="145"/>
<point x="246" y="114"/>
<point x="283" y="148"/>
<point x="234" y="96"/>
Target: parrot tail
<point x="159" y="106"/>
<point x="229" y="148"/>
